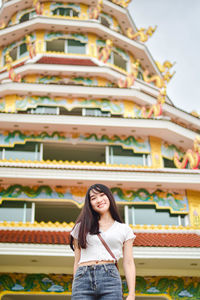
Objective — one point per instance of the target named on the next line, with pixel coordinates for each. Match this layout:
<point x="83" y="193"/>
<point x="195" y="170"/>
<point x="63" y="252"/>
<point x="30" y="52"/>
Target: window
<point x="76" y="47"/>
<point x="80" y="152"/>
<point x="117" y="60"/>
<point x="95" y="112"/>
<point x="28" y="151"/>
<point x="56" y="212"/>
<point x="104" y="21"/>
<point x="15" y="211"/>
<point x="22" y="49"/>
<point x="57" y="45"/>
<point x="13" y="53"/>
<point x="52" y="111"/>
<point x="27" y="16"/>
<point x="168" y="163"/>
<point x="118" y="155"/>
<point x="65" y="11"/>
<point x="24" y="18"/>
<point x="17" y="52"/>
<point x="73" y="112"/>
<point x="66" y="46"/>
<point x="149" y="215"/>
<point x="44" y="110"/>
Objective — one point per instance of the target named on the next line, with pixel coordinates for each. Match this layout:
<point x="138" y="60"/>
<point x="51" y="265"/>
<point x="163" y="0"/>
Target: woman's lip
<point x="101" y="204"/>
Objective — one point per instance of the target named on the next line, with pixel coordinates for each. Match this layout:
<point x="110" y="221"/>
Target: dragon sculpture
<point x="11" y="73"/>
<point x="156" y="109"/>
<point x="95" y="11"/>
<point x="104" y="53"/>
<point x="142" y="34"/>
<point x="130" y="79"/>
<point x="38" y="7"/>
<point x="191" y="156"/>
<point x="164" y="69"/>
<point x="156" y="79"/>
<point x="30" y="46"/>
<point x="195" y="114"/>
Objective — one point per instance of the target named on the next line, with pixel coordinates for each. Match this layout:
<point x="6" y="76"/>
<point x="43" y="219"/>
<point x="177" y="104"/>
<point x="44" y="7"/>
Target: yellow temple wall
<point x="194" y="208"/>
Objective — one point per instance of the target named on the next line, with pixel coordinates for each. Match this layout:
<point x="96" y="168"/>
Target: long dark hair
<point x="89" y="219"/>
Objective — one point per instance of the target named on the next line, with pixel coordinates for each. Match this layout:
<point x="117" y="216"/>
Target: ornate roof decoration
<point x="191" y="157"/>
<point x="142" y="35"/>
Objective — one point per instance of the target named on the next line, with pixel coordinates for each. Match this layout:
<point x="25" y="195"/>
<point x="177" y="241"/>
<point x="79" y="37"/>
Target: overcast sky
<point x="177" y="38"/>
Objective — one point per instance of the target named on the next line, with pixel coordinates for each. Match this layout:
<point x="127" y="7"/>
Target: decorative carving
<point x="191" y="156"/>
<point x="38" y="7"/>
<point x="162" y="199"/>
<point x="165" y="66"/>
<point x="156" y="109"/>
<point x="11" y="73"/>
<point x="95" y="11"/>
<point x="164" y="69"/>
<point x="195" y="114"/>
<point x="183" y="288"/>
<point x="9" y="139"/>
<point x="30" y="46"/>
<point x="142" y="34"/>
<point x="156" y="79"/>
<point x="104" y="52"/>
<point x="130" y="79"/>
<point x="123" y="3"/>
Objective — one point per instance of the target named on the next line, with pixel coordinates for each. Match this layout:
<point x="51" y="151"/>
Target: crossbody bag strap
<point x="108" y="249"/>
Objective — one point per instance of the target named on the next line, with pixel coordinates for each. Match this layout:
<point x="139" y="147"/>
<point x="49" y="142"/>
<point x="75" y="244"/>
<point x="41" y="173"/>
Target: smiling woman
<point x="99" y="239"/>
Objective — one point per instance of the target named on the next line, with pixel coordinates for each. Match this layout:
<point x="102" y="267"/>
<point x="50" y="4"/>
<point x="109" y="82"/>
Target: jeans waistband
<point x="96" y="267"/>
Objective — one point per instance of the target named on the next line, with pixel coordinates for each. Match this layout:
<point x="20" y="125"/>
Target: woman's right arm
<point x="77" y="253"/>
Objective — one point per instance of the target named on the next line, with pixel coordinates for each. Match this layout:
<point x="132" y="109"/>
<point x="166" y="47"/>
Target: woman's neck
<point x="106" y="218"/>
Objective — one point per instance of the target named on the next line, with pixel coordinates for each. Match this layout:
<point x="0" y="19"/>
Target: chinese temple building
<point x="83" y="101"/>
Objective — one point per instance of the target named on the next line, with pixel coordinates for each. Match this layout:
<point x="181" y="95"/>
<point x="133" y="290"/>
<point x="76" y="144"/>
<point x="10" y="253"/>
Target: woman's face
<point x="99" y="202"/>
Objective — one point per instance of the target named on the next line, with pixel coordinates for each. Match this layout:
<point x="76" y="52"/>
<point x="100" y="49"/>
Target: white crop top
<point x="114" y="236"/>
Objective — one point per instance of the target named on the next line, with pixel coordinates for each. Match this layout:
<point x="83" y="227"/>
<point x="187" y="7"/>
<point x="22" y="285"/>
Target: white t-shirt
<point x="114" y="236"/>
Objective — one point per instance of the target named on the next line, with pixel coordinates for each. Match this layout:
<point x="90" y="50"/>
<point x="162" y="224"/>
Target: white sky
<point x="177" y="38"/>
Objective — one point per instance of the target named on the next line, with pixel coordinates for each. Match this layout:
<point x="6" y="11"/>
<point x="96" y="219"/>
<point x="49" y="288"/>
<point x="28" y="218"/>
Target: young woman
<point x="95" y="273"/>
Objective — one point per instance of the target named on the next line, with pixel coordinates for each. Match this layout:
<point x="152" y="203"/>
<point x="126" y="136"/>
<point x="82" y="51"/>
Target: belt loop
<point x="105" y="267"/>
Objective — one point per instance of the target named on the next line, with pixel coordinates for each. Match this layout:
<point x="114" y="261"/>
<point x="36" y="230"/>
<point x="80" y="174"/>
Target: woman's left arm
<point x="129" y="268"/>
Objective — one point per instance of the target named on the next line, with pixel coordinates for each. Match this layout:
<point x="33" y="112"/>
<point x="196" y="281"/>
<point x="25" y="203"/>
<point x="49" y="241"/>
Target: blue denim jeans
<point x="101" y="282"/>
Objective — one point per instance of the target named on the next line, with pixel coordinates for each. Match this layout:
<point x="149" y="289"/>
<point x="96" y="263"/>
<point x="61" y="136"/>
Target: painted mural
<point x="139" y="145"/>
<point x="49" y="36"/>
<point x="127" y="109"/>
<point x="85" y="81"/>
<point x="176" y="202"/>
<point x="174" y="288"/>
